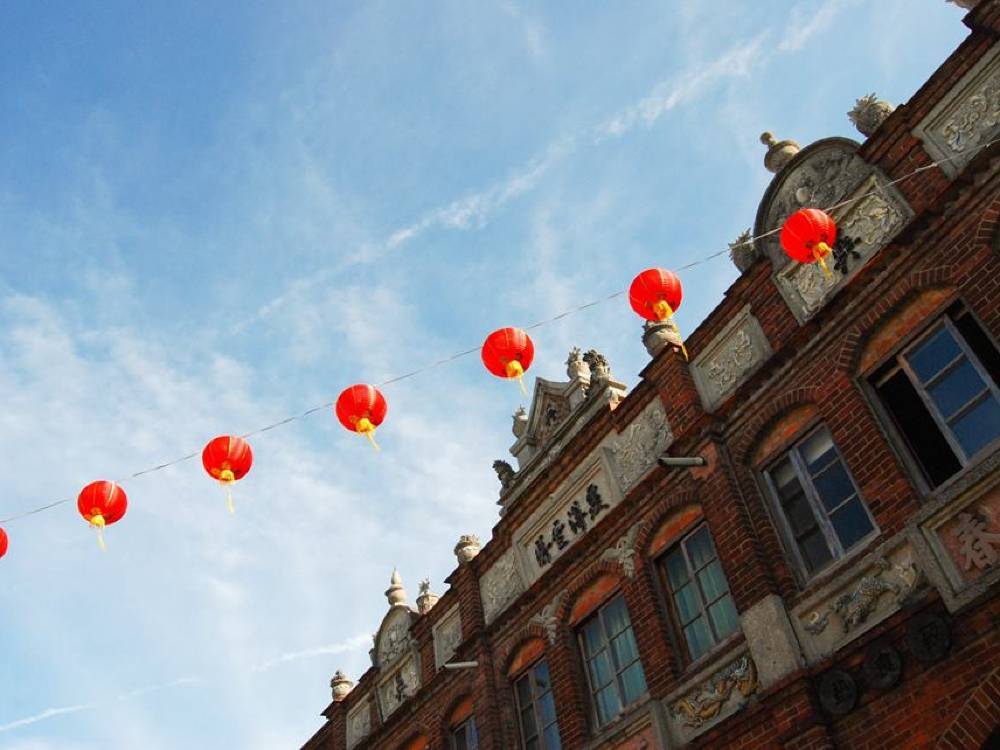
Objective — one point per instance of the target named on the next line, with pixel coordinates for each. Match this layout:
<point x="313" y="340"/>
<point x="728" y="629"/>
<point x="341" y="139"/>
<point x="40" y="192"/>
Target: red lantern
<point x="656" y="294"/>
<point x="808" y="236"/>
<point x="507" y="353"/>
<point x="361" y="408"/>
<point x="101" y="504"/>
<point x="228" y="459"/>
<point x="3" y="542"/>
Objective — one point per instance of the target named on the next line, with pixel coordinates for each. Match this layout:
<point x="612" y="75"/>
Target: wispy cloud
<point x="332" y="649"/>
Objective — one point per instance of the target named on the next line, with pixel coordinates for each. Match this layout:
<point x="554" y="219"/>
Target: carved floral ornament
<point x="706" y="701"/>
<point x="500" y="585"/>
<point x="641" y="443"/>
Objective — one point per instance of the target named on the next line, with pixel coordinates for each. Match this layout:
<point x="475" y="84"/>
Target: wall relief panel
<point x="730" y="358"/>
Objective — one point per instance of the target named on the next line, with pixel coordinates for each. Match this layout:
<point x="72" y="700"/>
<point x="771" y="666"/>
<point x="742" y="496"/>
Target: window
<point x="820" y="507"/>
<point x="941" y="393"/>
<point x="536" y="710"/>
<point x="464" y="737"/>
<point x="614" y="671"/>
<point x="699" y="593"/>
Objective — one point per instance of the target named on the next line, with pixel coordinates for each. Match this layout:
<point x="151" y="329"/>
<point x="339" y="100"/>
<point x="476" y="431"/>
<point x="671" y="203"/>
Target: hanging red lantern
<point x="808" y="236"/>
<point x="227" y="459"/>
<point x="361" y="408"/>
<point x="656" y="294"/>
<point x="507" y="353"/>
<point x="3" y="542"/>
<point x="101" y="504"/>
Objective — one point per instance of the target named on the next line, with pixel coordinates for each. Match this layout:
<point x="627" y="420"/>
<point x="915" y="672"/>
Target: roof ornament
<point x="869" y="112"/>
<point x="341" y="686"/>
<point x="396" y="594"/>
<point x="426" y="600"/>
<point x="779" y="153"/>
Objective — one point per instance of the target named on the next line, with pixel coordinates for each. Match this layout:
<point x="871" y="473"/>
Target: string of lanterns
<point x="807" y="236"/>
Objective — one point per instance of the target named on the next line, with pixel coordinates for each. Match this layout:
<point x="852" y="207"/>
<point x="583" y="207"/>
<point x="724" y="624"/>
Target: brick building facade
<point x="825" y="575"/>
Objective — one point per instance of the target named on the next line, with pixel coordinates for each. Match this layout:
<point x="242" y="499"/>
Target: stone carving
<point x="706" y="701"/>
<point x="577" y="521"/>
<point x="854" y="607"/>
<point x="623" y="552"/>
<point x="977" y="544"/>
<point x="729" y="358"/>
<point x="742" y="251"/>
<point x="978" y="115"/>
<point x="447" y="637"/>
<point x="576" y="368"/>
<point x="427" y="599"/>
<point x="600" y="371"/>
<point x="641" y="443"/>
<point x="398" y="688"/>
<point x="467" y="548"/>
<point x="869" y="112"/>
<point x="500" y="585"/>
<point x="394" y="640"/>
<point x="396" y="594"/>
<point x="340" y="685"/>
<point x="520" y="418"/>
<point x="548" y="620"/>
<point x="779" y="153"/>
<point x="812" y="286"/>
<point x="656" y="334"/>
<point x="965" y="4"/>
<point x="505" y="473"/>
<point x="359" y="723"/>
<point x="872" y="220"/>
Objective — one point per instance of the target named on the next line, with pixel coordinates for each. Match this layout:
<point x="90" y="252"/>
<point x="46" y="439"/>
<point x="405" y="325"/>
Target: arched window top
<point x="672" y="526"/>
<point x="592" y="596"/>
<point x="525" y="655"/>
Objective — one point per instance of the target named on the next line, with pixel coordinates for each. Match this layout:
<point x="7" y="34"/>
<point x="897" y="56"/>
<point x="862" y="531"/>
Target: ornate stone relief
<point x="967" y="117"/>
<point x="447" y="634"/>
<point x="735" y="352"/>
<point x="869" y="112"/>
<point x="398" y="687"/>
<point x="359" y="723"/>
<point x="548" y="620"/>
<point x="623" y="552"/>
<point x="872" y="218"/>
<point x="706" y="701"/>
<point x="500" y="585"/>
<point x="641" y="443"/>
<point x="854" y="607"/>
<point x="394" y="638"/>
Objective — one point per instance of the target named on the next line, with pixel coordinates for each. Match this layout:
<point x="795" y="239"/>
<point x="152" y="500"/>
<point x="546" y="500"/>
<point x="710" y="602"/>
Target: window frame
<point x="528" y="673"/>
<point x="464" y="726"/>
<point x="786" y="535"/>
<point x="895" y="361"/>
<point x="606" y="646"/>
<point x="681" y="646"/>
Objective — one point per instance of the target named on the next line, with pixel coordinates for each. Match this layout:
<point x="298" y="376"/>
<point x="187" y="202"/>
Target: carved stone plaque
<point x="500" y="585"/>
<point x="641" y="443"/>
<point x="883" y="665"/>
<point x="928" y="637"/>
<point x="359" y="723"/>
<point x="395" y="689"/>
<point x="730" y="358"/>
<point x="447" y="633"/>
<point x="967" y="117"/>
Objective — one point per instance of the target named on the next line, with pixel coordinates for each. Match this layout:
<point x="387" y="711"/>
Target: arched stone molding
<point x="529" y="648"/>
<point x="583" y="584"/>
<point x="978" y="718"/>
<point x="768" y="417"/>
<point x="665" y="507"/>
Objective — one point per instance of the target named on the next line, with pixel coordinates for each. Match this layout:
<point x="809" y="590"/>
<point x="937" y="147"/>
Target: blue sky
<point x="213" y="215"/>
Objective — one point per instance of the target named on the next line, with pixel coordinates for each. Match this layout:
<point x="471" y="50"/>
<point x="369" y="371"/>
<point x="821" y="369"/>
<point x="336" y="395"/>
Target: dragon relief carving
<point x="706" y="701"/>
<point x="728" y="366"/>
<point x="977" y="116"/>
<point x="638" y="446"/>
<point x="854" y="607"/>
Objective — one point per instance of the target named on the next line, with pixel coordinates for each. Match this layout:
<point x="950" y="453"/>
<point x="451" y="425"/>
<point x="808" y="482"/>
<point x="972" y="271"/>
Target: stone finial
<point x="779" y="153"/>
<point x="742" y="251"/>
<point x="467" y="548"/>
<point x="505" y="473"/>
<point x="869" y="112"/>
<point x="658" y="334"/>
<point x="520" y="422"/>
<point x="600" y="370"/>
<point x="396" y="594"/>
<point x="426" y="600"/>
<point x="341" y="686"/>
<point x="576" y="368"/>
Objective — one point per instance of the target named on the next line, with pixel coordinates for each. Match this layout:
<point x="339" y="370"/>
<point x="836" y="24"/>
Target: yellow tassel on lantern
<point x="366" y="428"/>
<point x="515" y="370"/>
<point x="97" y="521"/>
<point x="819" y="253"/>
<point x="227" y="478"/>
<point x="663" y="309"/>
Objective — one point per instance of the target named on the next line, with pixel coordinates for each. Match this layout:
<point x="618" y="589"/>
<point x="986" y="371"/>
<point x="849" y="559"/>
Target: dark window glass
<point x="464" y="736"/>
<point x="941" y="392"/>
<point x="702" y="606"/>
<point x="816" y="495"/>
<point x="611" y="658"/>
<point x="536" y="709"/>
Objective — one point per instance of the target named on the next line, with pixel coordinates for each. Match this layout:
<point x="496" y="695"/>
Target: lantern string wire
<point x="877" y="190"/>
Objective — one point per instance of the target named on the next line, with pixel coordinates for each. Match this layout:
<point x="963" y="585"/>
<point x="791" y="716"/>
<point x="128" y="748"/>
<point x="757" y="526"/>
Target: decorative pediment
<point x="401" y="684"/>
<point x="869" y="211"/>
<point x="393" y="639"/>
